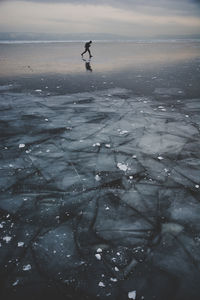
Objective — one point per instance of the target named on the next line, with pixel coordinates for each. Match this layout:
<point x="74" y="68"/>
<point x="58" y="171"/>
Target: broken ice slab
<point x="134" y="190"/>
<point x="153" y="143"/>
<point x="56" y="252"/>
<point x="169" y="91"/>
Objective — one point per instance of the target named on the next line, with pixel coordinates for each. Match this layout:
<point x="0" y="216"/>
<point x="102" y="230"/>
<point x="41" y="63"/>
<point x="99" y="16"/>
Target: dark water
<point x="100" y="172"/>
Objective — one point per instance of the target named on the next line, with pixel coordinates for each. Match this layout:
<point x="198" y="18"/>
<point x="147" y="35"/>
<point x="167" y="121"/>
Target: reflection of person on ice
<point x="87" y="46"/>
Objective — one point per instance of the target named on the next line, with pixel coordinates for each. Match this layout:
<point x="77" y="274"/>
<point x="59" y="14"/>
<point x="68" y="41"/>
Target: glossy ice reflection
<point x="64" y="58"/>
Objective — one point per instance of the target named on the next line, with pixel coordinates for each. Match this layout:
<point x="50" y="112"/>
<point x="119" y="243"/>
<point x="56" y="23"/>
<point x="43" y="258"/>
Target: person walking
<point x="87" y="46"/>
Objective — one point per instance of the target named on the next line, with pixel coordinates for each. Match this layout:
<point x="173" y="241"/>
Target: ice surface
<point x="100" y="190"/>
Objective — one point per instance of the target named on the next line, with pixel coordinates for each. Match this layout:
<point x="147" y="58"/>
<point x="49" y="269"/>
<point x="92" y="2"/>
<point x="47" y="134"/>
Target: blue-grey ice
<point x="100" y="194"/>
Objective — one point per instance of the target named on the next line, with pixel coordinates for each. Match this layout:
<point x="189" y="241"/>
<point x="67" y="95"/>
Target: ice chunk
<point x="98" y="256"/>
<point x="123" y="167"/>
<point x="113" y="279"/>
<point x="15" y="283"/>
<point x="97" y="178"/>
<point x="99" y="250"/>
<point x="160" y="158"/>
<point x="101" y="284"/>
<point x="96" y="144"/>
<point x="27" y="267"/>
<point x="21" y="145"/>
<point x="122" y="132"/>
<point x="7" y="239"/>
<point x="107" y="145"/>
<point x="132" y="295"/>
<point x="20" y="244"/>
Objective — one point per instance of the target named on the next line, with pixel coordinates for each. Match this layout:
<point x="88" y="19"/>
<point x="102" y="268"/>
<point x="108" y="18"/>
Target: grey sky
<point x="132" y="18"/>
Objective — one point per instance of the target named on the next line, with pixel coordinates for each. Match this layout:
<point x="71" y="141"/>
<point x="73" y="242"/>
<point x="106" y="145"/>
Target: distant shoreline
<point x="7" y="42"/>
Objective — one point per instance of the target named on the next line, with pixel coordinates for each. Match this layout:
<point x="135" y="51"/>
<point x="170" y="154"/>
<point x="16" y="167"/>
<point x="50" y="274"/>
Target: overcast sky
<point x="134" y="18"/>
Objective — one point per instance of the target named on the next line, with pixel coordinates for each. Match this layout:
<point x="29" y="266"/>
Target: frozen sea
<point x="100" y="171"/>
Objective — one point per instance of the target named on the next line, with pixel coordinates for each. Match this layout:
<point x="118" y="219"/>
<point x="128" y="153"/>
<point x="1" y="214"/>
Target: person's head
<point x="90" y="42"/>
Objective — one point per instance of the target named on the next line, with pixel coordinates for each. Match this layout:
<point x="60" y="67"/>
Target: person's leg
<point x="84" y="52"/>
<point x="89" y="53"/>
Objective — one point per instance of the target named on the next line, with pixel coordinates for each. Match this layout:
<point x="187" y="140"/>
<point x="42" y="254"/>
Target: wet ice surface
<point x="100" y="196"/>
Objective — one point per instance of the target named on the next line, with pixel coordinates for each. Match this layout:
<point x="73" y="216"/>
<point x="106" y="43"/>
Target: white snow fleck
<point x="38" y="90"/>
<point x="98" y="256"/>
<point x="186" y="116"/>
<point x="16" y="282"/>
<point x="101" y="284"/>
<point x="21" y="145"/>
<point x="196" y="186"/>
<point x="107" y="145"/>
<point x="46" y="120"/>
<point x="96" y="144"/>
<point x="7" y="239"/>
<point x="107" y="208"/>
<point x="132" y="295"/>
<point x="27" y="267"/>
<point x="160" y="157"/>
<point x="97" y="178"/>
<point x="122" y="131"/>
<point x="1" y="225"/>
<point x="130" y="177"/>
<point x="122" y="167"/>
<point x="113" y="279"/>
<point x="20" y="244"/>
<point x="116" y="269"/>
<point x="99" y="250"/>
<point x="134" y="156"/>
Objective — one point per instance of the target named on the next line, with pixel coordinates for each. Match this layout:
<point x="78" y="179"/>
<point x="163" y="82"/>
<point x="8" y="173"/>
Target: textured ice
<point x="97" y="194"/>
